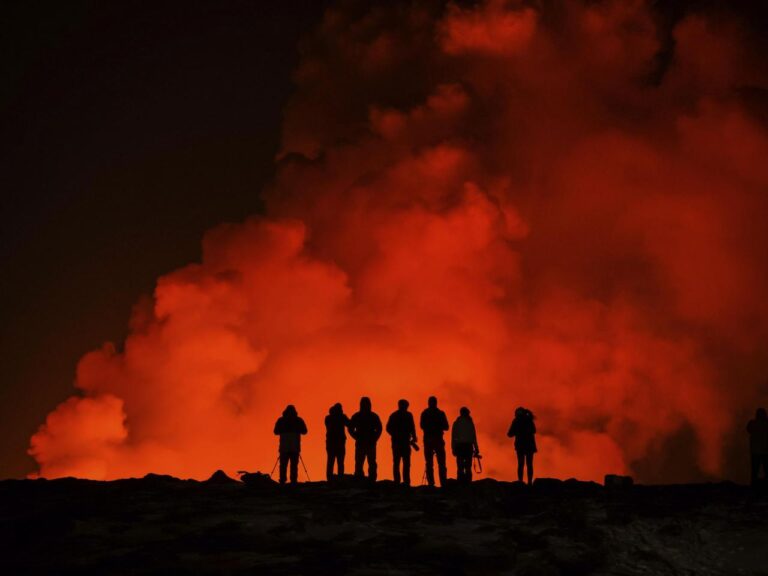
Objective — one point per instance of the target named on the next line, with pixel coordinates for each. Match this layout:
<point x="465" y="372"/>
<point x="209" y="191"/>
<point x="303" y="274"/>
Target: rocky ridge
<point x="162" y="525"/>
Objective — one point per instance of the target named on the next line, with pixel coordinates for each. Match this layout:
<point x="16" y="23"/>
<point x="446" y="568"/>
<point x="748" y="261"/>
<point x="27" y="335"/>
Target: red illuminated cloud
<point x="497" y="205"/>
<point x="491" y="29"/>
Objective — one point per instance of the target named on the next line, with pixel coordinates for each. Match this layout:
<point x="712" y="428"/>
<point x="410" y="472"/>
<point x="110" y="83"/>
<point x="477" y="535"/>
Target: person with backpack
<point x="464" y="445"/>
<point x="523" y="430"/>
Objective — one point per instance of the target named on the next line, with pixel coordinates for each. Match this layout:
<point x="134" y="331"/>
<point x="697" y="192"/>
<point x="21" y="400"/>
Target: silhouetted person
<point x="464" y="445"/>
<point x="335" y="440"/>
<point x="524" y="432"/>
<point x="758" y="444"/>
<point x="402" y="429"/>
<point x="433" y="423"/>
<point x="365" y="428"/>
<point x="290" y="429"/>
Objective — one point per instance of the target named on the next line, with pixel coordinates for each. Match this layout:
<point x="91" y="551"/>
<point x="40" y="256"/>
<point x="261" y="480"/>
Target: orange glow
<point x="542" y="226"/>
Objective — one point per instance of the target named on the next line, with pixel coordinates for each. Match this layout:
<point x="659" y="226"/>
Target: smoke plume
<point x="560" y="205"/>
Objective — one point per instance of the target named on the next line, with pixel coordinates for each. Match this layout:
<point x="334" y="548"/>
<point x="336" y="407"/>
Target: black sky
<point x="129" y="128"/>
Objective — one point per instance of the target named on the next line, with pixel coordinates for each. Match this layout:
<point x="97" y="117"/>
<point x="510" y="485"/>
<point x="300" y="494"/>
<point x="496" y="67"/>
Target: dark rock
<point x="347" y="481"/>
<point x="535" y="564"/>
<point x="257" y="480"/>
<point x="219" y="477"/>
<point x="616" y="481"/>
<point x="161" y="525"/>
<point x="547" y="483"/>
<point x="151" y="477"/>
<point x="581" y="486"/>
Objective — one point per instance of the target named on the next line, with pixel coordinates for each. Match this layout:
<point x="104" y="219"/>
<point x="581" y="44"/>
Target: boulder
<point x="257" y="479"/>
<point x="219" y="477"/>
<point x="617" y="481"/>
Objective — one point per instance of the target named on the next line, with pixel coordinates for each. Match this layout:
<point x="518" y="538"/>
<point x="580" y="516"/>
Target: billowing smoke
<point x="560" y="205"/>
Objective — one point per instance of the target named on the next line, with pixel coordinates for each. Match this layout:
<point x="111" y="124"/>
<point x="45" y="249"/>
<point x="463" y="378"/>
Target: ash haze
<point x="560" y="205"/>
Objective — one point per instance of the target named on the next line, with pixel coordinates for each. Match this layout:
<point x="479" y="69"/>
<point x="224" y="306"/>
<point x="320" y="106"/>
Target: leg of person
<point x="283" y="466"/>
<point x="441" y="467"/>
<point x="520" y="464"/>
<point x="407" y="466"/>
<point x="459" y="470"/>
<point x="429" y="452"/>
<point x="464" y="462"/>
<point x="529" y="464"/>
<point x="755" y="464"/>
<point x="372" y="466"/>
<point x="468" y="464"/>
<point x="338" y="460"/>
<point x="359" y="459"/>
<point x="396" y="456"/>
<point x="330" y="457"/>
<point x="294" y="457"/>
<point x="464" y="466"/>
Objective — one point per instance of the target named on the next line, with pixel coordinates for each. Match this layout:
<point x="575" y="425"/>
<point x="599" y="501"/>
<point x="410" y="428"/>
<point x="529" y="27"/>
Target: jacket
<point x="365" y="427"/>
<point x="335" y="424"/>
<point x="401" y="427"/>
<point x="290" y="429"/>
<point x="463" y="432"/>
<point x="433" y="422"/>
<point x="524" y="432"/>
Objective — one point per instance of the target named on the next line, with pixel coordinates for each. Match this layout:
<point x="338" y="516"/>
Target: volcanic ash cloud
<point x="561" y="207"/>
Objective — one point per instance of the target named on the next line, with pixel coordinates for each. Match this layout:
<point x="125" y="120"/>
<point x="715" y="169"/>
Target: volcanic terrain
<point x="163" y="525"/>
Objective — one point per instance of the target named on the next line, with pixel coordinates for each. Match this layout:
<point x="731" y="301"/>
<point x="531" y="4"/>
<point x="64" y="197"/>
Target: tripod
<point x="300" y="460"/>
<point x="305" y="467"/>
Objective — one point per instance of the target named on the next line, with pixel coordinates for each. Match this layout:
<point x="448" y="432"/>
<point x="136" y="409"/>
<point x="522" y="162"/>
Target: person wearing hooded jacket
<point x="290" y="427"/>
<point x="464" y="445"/>
<point x="365" y="427"/>
<point x="523" y="430"/>
<point x="335" y="439"/>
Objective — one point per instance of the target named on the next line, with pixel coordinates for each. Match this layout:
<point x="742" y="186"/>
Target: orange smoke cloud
<point x="499" y="205"/>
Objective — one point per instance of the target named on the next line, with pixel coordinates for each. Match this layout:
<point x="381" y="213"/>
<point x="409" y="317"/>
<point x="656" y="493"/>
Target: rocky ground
<point x="160" y="525"/>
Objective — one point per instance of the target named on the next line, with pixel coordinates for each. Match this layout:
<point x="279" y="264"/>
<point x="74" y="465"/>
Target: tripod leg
<point x="305" y="467"/>
<point x="275" y="466"/>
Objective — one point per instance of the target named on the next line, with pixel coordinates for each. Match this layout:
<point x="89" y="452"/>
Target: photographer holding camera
<point x="402" y="429"/>
<point x="464" y="445"/>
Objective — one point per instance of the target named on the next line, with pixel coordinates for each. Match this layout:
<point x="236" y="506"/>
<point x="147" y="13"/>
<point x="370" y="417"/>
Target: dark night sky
<point x="129" y="129"/>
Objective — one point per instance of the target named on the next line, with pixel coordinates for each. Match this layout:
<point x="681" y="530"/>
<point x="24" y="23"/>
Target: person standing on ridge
<point x="464" y="445"/>
<point x="523" y="430"/>
<point x="335" y="440"/>
<point x="290" y="427"/>
<point x="758" y="445"/>
<point x="365" y="428"/>
<point x="433" y="423"/>
<point x="402" y="429"/>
